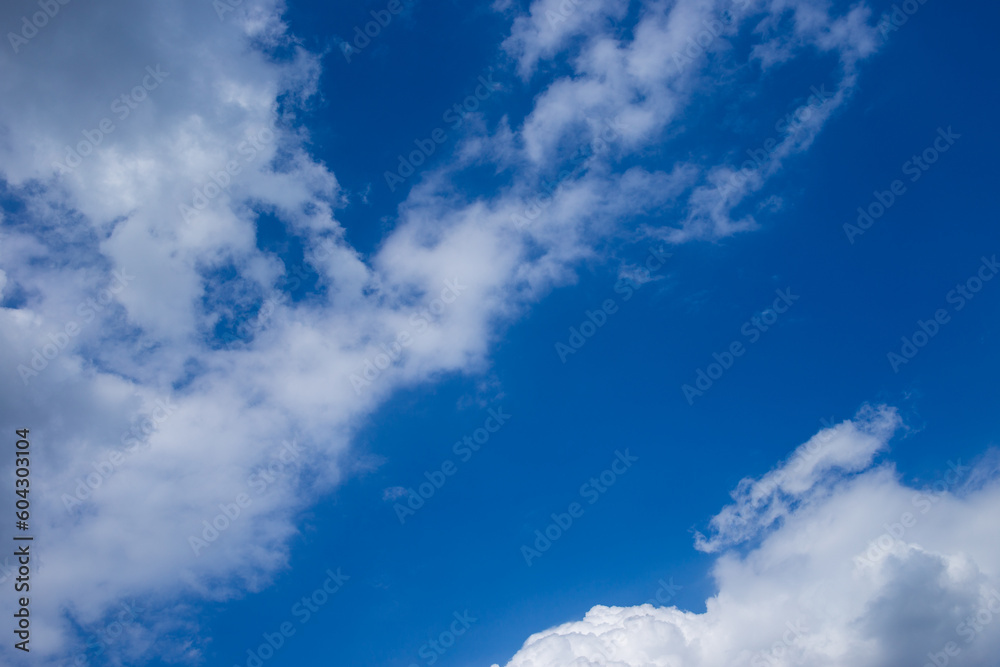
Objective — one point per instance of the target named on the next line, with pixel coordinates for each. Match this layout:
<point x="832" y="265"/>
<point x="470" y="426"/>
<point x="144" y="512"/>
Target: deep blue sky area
<point x="821" y="360"/>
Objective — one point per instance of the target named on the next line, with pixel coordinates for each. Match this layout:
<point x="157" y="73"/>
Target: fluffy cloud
<point x="141" y="144"/>
<point x="849" y="566"/>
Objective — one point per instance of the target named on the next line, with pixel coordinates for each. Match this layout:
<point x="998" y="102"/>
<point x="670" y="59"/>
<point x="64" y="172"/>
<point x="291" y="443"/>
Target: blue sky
<point x="341" y="121"/>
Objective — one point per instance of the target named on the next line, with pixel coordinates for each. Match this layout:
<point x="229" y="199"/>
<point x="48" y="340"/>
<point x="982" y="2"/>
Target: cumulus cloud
<point x="861" y="569"/>
<point x="154" y="348"/>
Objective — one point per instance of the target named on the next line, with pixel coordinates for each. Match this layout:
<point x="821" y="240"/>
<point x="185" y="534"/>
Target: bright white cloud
<point x="861" y="569"/>
<point x="148" y="109"/>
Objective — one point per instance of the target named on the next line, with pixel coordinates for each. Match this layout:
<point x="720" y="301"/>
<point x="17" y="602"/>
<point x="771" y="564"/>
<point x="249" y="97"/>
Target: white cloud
<point x="550" y="24"/>
<point x="861" y="569"/>
<point x="220" y="107"/>
<point x="846" y="448"/>
<point x="642" y="80"/>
